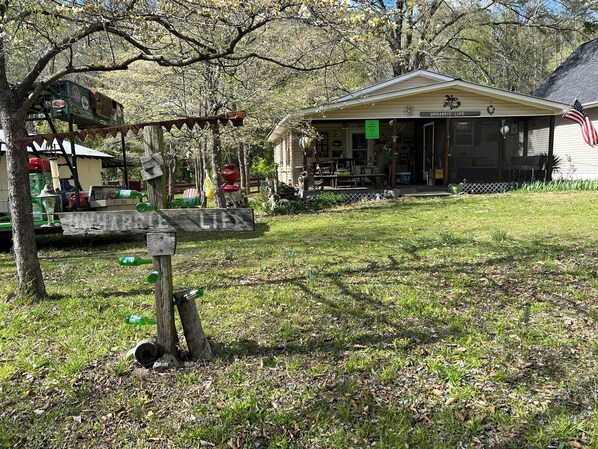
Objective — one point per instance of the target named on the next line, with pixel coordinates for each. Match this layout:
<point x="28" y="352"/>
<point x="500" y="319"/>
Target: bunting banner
<point x="236" y="118"/>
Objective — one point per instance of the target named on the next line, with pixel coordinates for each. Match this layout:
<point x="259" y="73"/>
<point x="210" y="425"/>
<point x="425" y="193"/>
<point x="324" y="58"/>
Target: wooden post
<point x="393" y="159"/>
<point x="447" y="141"/>
<point x="153" y="138"/>
<point x="549" y="162"/>
<point x="198" y="344"/>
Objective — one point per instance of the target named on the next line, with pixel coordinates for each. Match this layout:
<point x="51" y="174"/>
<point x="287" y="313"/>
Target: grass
<point x="469" y="321"/>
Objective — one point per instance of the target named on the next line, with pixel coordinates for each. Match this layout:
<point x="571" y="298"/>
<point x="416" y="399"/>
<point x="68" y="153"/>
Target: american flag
<point x="578" y="114"/>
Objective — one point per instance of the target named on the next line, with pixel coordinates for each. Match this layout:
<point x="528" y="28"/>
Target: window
<point x="464" y="134"/>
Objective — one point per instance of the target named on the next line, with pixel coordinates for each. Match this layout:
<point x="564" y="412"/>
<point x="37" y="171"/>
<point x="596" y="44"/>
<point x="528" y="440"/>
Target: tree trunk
<point x="242" y="179"/>
<point x="246" y="166"/>
<point x="217" y="166"/>
<point x="29" y="274"/>
<point x="172" y="166"/>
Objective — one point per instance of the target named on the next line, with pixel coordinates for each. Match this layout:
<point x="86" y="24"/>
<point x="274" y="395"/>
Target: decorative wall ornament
<point x="409" y="109"/>
<point x="451" y="102"/>
<point x="491" y="109"/>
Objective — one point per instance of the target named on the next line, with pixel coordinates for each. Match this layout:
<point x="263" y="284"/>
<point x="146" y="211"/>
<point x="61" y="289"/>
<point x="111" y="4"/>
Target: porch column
<point x="550" y="148"/>
<point x="501" y="155"/>
<point x="393" y="163"/>
<point x="447" y="140"/>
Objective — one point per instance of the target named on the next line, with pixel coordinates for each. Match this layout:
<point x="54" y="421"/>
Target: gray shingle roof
<point x="576" y="77"/>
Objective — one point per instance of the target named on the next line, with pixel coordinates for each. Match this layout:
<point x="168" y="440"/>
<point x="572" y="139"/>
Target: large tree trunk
<point x="31" y="282"/>
<point x="217" y="166"/>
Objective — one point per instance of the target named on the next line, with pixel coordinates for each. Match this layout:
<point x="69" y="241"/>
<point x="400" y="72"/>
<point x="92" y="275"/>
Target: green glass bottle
<point x="144" y="207"/>
<point x="139" y="320"/>
<point x="187" y="295"/>
<point x="185" y="202"/>
<point x="153" y="277"/>
<point x="127" y="194"/>
<point x="132" y="261"/>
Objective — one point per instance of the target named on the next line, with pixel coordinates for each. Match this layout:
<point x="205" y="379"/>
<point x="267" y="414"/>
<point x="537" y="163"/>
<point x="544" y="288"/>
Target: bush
<point x="321" y="201"/>
<point x="559" y="186"/>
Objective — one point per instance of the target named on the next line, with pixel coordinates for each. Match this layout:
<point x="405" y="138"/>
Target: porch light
<point x="48" y="196"/>
<point x="504" y="130"/>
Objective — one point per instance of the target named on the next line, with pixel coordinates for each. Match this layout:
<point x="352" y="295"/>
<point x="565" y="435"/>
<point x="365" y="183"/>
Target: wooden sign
<point x="151" y="166"/>
<point x="450" y="114"/>
<point x="163" y="220"/>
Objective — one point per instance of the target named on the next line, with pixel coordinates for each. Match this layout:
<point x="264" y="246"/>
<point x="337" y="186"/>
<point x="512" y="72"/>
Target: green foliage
<point x="313" y="203"/>
<point x="559" y="186"/>
<point x="262" y="167"/>
<point x="498" y="235"/>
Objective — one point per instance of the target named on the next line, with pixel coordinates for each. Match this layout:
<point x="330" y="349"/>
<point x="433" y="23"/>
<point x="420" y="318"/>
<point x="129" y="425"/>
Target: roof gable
<point x="409" y="80"/>
<point x="576" y="77"/>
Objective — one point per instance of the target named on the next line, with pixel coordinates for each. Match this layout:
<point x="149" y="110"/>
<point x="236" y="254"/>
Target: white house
<point x="577" y="77"/>
<point x="424" y="127"/>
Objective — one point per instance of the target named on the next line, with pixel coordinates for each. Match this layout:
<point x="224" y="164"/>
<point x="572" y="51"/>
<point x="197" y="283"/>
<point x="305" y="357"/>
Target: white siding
<point x="90" y="173"/>
<point x="433" y="102"/>
<point x="578" y="159"/>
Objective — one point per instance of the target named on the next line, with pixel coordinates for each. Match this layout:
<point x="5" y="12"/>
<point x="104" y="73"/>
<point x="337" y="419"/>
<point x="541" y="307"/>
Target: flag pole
<point x="570" y="106"/>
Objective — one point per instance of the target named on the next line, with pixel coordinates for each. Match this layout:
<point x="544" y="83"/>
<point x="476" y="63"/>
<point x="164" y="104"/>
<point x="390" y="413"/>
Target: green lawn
<point x="468" y="321"/>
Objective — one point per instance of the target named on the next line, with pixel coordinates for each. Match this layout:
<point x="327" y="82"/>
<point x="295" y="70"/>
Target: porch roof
<point x="372" y="100"/>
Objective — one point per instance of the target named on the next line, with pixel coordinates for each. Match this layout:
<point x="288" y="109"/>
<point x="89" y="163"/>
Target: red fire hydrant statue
<point x="231" y="189"/>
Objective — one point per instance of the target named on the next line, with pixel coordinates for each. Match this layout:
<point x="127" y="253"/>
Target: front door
<point x="429" y="151"/>
<point x="359" y="148"/>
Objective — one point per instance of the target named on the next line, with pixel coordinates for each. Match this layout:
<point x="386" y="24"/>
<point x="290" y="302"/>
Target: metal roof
<point x="80" y="150"/>
<point x="576" y="77"/>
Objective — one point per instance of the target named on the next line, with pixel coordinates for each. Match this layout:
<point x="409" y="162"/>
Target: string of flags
<point x="236" y="118"/>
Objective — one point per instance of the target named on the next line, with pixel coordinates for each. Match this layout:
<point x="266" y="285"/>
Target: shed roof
<point x="576" y="77"/>
<point x="80" y="150"/>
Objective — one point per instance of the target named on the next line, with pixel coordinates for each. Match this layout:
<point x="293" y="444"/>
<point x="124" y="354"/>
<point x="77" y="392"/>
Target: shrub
<point x="322" y="201"/>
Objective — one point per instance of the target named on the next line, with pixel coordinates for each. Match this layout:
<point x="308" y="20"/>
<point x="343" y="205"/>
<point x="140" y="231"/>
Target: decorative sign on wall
<point x="450" y="114"/>
<point x="372" y="129"/>
<point x="452" y="102"/>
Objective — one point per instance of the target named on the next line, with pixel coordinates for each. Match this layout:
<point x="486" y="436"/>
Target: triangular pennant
<point x="179" y="124"/>
<point x="39" y="139"/>
<point x="103" y="133"/>
<point x="113" y="132"/>
<point x="134" y="129"/>
<point x="190" y="123"/>
<point x="168" y="126"/>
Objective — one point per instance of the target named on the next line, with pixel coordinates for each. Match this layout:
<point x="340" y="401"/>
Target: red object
<point x="135" y="185"/>
<point x="37" y="165"/>
<point x="231" y="176"/>
<point x="82" y="200"/>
